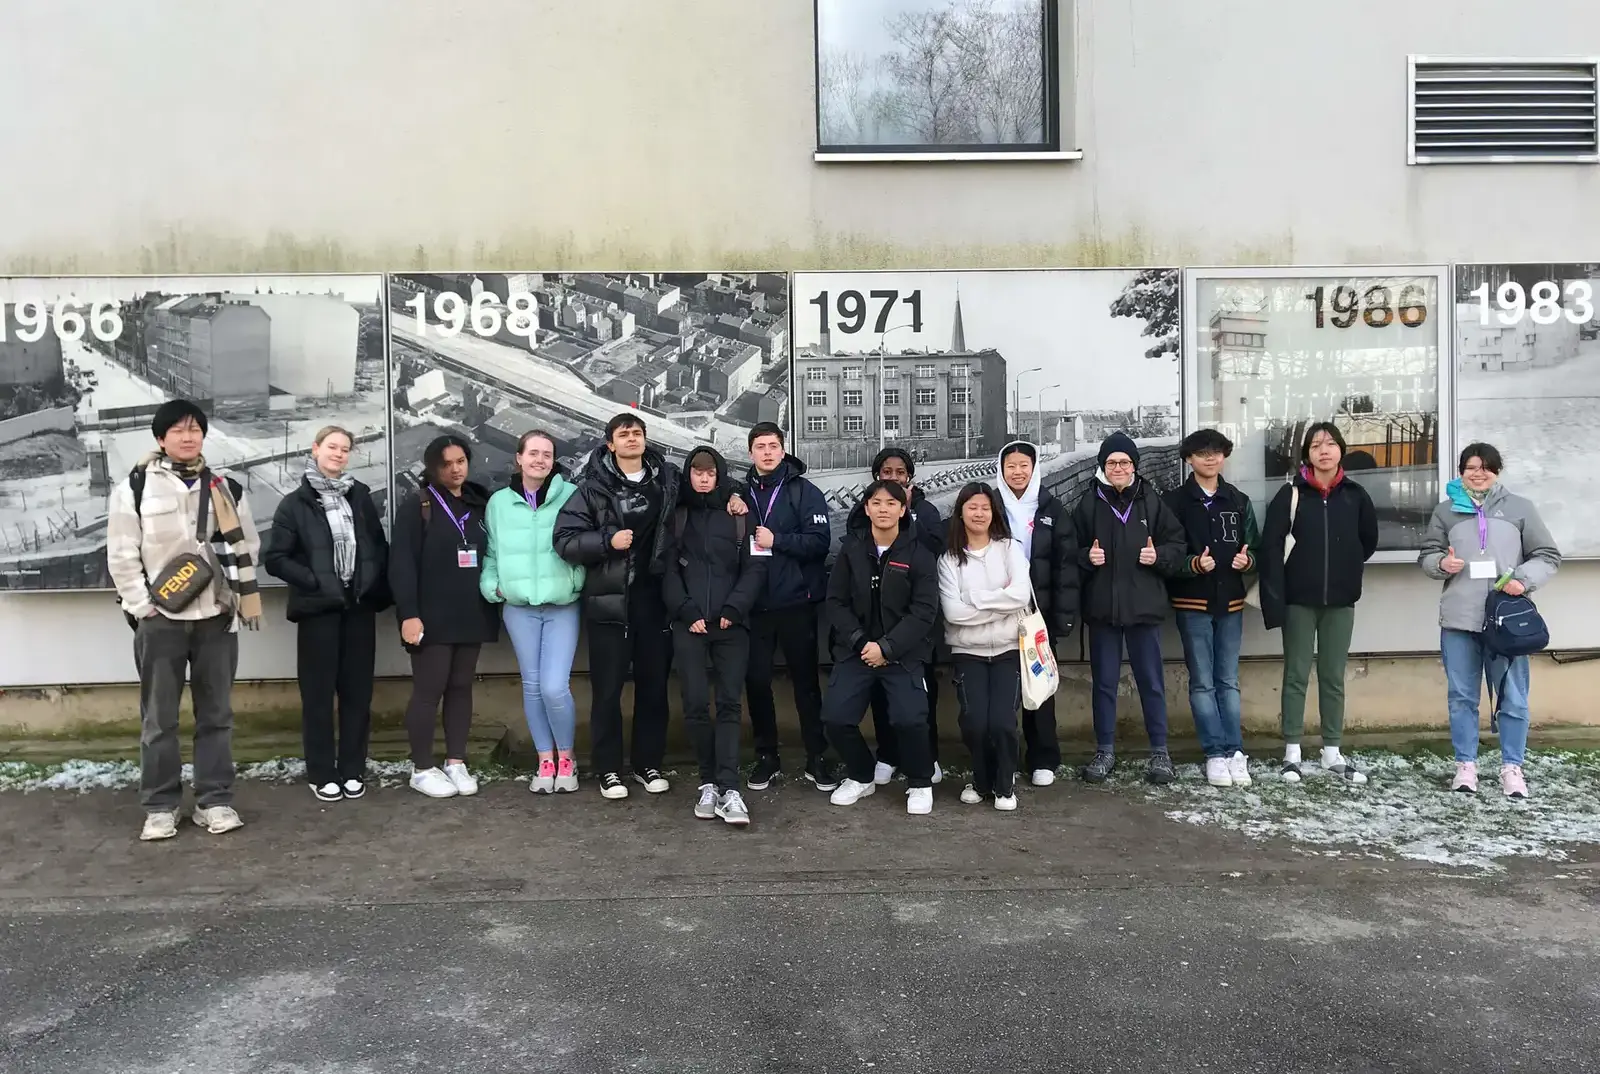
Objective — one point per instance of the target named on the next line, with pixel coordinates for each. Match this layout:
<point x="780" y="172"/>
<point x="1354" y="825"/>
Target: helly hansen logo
<point x="1047" y="520"/>
<point x="819" y="520"/>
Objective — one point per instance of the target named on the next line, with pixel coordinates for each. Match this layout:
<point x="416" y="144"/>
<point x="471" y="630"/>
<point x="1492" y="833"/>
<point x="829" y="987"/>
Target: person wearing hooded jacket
<point x="1129" y="543"/>
<point x="883" y="598"/>
<point x="1043" y="525"/>
<point x="896" y="464"/>
<point x="711" y="585"/>
<point x="1480" y="539"/>
<point x="539" y="591"/>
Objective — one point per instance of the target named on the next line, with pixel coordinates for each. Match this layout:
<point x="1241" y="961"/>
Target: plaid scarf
<point x="227" y="543"/>
<point x="335" y="494"/>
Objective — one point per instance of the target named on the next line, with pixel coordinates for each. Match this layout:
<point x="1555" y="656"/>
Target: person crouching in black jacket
<point x="714" y="575"/>
<point x="883" y="598"/>
<point x="327" y="545"/>
<point x="1044" y="526"/>
<point x="1129" y="542"/>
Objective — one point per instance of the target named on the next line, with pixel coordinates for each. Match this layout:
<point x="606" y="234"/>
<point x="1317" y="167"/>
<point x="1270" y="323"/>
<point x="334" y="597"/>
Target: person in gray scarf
<point x="327" y="544"/>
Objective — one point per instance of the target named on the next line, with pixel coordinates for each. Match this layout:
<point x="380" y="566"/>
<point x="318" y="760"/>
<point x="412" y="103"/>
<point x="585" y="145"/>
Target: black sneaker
<point x="1099" y="767"/>
<point x="764" y="771"/>
<point x="1158" y="769"/>
<point x="823" y="773"/>
<point x="611" y="786"/>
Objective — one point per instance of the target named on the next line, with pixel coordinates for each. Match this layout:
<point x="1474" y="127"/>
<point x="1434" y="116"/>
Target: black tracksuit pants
<point x="716" y="742"/>
<point x="336" y="654"/>
<point x="883" y="731"/>
<point x="645" y="646"/>
<point x="990" y="692"/>
<point x="794" y="630"/>
<point x="849" y="693"/>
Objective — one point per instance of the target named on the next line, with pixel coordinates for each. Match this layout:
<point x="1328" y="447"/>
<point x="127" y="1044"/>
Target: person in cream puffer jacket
<point x="984" y="588"/>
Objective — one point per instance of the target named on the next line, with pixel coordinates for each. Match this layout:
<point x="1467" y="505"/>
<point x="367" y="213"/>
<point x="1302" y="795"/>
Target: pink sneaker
<point x="566" y="776"/>
<point x="544" y="782"/>
<point x="1511" y="781"/>
<point x="1466" y="779"/>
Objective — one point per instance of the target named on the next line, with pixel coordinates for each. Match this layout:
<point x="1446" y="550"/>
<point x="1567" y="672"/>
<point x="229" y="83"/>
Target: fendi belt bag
<point x="182" y="579"/>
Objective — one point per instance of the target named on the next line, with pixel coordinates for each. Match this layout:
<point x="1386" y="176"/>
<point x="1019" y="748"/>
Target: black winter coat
<point x="903" y="589"/>
<point x="593" y="515"/>
<point x="711" y="574"/>
<point x="425" y="573"/>
<point x="299" y="551"/>
<point x="1334" y="538"/>
<point x="797" y="514"/>
<point x="1226" y="527"/>
<point x="1124" y="592"/>
<point x="1053" y="566"/>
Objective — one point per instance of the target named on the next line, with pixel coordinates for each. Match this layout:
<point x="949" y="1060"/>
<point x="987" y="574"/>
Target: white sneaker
<point x="217" y="819"/>
<point x="1217" y="772"/>
<point x="970" y="795"/>
<point x="162" y="825"/>
<point x="882" y="773"/>
<point x="1291" y="763"/>
<point x="1043" y="777"/>
<point x="1337" y="764"/>
<point x="460" y="778"/>
<point x="938" y="773"/>
<point x="850" y="792"/>
<point x="354" y="788"/>
<point x="434" y="783"/>
<point x="1239" y="769"/>
<point x="706" y="807"/>
<point x="1006" y="804"/>
<point x="919" y="801"/>
<point x="327" y="792"/>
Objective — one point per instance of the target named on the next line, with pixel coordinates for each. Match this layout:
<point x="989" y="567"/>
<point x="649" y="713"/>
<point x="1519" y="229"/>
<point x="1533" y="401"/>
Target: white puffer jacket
<point x="984" y="597"/>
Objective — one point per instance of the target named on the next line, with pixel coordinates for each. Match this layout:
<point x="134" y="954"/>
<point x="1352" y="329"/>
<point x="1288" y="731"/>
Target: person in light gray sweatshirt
<point x="1482" y="538"/>
<point x="984" y="588"/>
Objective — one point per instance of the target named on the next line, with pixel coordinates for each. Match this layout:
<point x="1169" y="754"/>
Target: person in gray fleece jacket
<point x="1483" y="538"/>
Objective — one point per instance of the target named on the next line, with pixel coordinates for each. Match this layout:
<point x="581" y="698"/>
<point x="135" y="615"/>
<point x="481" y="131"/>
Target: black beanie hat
<point x="1119" y="441"/>
<point x="893" y="453"/>
<point x="172" y="412"/>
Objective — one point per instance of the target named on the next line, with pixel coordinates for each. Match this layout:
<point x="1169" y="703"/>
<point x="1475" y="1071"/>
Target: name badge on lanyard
<point x="1482" y="567"/>
<point x="466" y="555"/>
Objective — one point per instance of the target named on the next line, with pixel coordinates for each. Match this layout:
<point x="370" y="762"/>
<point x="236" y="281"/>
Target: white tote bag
<point x="1040" y="675"/>
<point x="1252" y="596"/>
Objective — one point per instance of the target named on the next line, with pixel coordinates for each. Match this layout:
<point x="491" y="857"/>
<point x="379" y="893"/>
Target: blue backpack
<point x="1512" y="626"/>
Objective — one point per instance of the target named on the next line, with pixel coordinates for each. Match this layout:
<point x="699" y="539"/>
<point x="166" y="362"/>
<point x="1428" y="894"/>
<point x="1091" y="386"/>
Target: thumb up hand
<point x="1147" y="554"/>
<point x="1207" y="563"/>
<point x="1097" y="555"/>
<point x="1452" y="563"/>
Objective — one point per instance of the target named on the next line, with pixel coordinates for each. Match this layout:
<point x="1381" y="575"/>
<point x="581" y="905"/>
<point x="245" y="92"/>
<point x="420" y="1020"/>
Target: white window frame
<point x="960" y="396"/>
<point x="925" y="371"/>
<point x="925" y="425"/>
<point x="891" y="419"/>
<point x="813" y="392"/>
<point x="853" y="423"/>
<point x="816" y="424"/>
<point x="846" y="400"/>
<point x="1189" y="320"/>
<point x="888" y="401"/>
<point x="931" y="398"/>
<point x="851" y="372"/>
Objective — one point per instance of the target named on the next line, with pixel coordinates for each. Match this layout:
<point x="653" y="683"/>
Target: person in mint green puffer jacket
<point x="540" y="592"/>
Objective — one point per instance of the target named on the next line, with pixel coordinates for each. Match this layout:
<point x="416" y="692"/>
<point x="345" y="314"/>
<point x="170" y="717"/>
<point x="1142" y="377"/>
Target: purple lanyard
<point x="767" y="511"/>
<point x="459" y="523"/>
<point x="1483" y="528"/>
<point x="531" y="497"/>
<point x="1122" y="516"/>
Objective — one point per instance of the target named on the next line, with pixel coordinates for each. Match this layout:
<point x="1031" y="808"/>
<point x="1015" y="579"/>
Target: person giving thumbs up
<point x="1147" y="554"/>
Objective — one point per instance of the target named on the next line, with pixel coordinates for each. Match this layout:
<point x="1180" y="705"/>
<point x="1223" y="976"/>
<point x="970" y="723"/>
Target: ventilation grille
<point x="1503" y="111"/>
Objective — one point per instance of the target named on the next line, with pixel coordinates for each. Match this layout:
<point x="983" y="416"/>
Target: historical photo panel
<point x="701" y="356"/>
<point x="951" y="365"/>
<point x="1528" y="382"/>
<point x="85" y="361"/>
<point x="1275" y="350"/>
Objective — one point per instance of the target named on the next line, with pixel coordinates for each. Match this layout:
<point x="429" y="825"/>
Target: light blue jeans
<point x="1211" y="646"/>
<point x="1467" y="665"/>
<point x="545" y="638"/>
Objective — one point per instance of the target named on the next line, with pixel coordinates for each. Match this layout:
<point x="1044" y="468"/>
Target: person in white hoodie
<point x="984" y="587"/>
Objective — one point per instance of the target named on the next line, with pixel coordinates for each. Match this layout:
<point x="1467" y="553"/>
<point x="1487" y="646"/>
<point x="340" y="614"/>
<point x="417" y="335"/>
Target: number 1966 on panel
<point x="68" y="319"/>
<point x="1546" y="303"/>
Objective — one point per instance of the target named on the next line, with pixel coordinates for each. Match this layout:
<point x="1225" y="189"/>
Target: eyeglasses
<point x="1125" y="464"/>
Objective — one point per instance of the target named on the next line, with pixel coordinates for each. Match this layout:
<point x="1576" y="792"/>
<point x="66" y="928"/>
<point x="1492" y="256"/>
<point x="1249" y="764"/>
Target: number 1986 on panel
<point x="70" y="320"/>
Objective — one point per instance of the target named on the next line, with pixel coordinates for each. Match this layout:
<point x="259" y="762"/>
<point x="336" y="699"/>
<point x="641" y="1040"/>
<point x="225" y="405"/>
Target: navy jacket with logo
<point x="796" y="513"/>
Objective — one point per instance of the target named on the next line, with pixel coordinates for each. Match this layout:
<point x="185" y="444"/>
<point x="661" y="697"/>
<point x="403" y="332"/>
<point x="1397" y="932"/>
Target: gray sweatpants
<point x="206" y="653"/>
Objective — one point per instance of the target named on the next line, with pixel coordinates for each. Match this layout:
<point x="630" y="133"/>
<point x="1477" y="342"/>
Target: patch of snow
<point x="84" y="776"/>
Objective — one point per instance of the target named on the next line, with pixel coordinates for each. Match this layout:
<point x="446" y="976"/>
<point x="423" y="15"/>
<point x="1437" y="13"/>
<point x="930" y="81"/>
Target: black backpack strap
<point x="136" y="486"/>
<point x="739" y="528"/>
<point x="680" y="519"/>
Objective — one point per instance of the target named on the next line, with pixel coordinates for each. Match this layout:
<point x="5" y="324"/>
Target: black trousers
<point x="336" y="654"/>
<point x="849" y="692"/>
<point x="883" y="730"/>
<point x="1043" y="749"/>
<point x="795" y="631"/>
<point x="644" y="646"/>
<point x="716" y="745"/>
<point x="990" y="693"/>
<point x="440" y="672"/>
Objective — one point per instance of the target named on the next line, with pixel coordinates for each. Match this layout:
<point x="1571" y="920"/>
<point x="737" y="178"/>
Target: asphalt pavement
<point x="1085" y="932"/>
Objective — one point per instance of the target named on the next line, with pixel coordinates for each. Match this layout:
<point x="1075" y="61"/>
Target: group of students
<point x="715" y="575"/>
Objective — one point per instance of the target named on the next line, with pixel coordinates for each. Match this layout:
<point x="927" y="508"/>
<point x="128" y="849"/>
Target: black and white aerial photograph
<point x="1528" y="381"/>
<point x="951" y="365"/>
<point x="85" y="361"/>
<point x="701" y="356"/>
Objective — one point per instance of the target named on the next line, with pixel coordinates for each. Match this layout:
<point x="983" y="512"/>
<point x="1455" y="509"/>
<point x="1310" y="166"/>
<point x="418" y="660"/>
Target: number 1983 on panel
<point x="1545" y="303"/>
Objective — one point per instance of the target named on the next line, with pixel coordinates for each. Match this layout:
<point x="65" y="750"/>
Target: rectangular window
<point x="958" y="425"/>
<point x="960" y="395"/>
<point x="924" y="372"/>
<point x="817" y="372"/>
<point x="816" y="398"/>
<point x="926" y="424"/>
<point x="938" y="78"/>
<point x="891" y="397"/>
<point x="854" y="423"/>
<point x="852" y="397"/>
<point x="891" y="424"/>
<point x="891" y="372"/>
<point x="960" y="371"/>
<point x="1504" y="111"/>
<point x="851" y="372"/>
<point x="1273" y="352"/>
<point x="927" y="396"/>
<point x="817" y="423"/>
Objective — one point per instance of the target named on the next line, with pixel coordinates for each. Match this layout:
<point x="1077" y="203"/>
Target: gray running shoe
<point x="1099" y="767"/>
<point x="1158" y="769"/>
<point x="732" y="809"/>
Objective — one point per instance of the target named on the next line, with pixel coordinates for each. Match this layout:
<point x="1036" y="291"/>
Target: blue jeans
<point x="1467" y="665"/>
<point x="1105" y="673"/>
<point x="545" y="638"/>
<point x="1211" y="649"/>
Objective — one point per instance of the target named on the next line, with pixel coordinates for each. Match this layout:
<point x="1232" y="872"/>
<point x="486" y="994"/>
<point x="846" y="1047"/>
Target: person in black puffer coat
<point x="327" y="544"/>
<point x="1129" y="543"/>
<point x="1044" y="526"/>
<point x="711" y="586"/>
